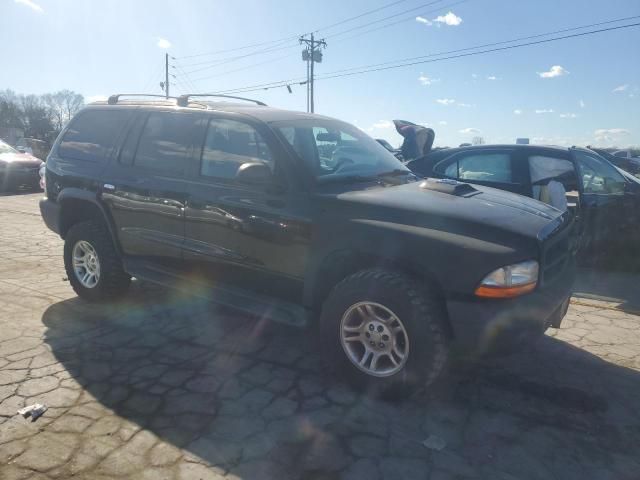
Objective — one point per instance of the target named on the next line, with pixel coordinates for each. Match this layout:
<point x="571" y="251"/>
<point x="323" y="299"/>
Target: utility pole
<point x="311" y="55"/>
<point x="166" y="75"/>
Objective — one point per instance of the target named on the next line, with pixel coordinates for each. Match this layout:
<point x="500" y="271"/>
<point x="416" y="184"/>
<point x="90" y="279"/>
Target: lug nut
<point x="380" y="329"/>
<point x="381" y="345"/>
<point x="372" y="343"/>
<point x="385" y="337"/>
<point x="368" y="334"/>
<point x="371" y="327"/>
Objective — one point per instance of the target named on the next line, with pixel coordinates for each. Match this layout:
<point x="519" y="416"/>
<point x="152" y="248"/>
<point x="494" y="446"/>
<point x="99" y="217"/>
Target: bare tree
<point x="62" y="106"/>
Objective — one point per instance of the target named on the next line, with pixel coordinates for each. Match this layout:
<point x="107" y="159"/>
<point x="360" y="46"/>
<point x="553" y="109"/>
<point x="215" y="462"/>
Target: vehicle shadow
<point x="622" y="288"/>
<point x="250" y="398"/>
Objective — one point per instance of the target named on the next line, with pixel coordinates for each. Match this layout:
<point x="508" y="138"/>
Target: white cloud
<point x="470" y="131"/>
<point x="610" y="134"/>
<point x="466" y="105"/>
<point x="32" y="5"/>
<point x="517" y="111"/>
<point x="442" y="122"/>
<point x="445" y="101"/>
<point x="474" y="75"/>
<point x="95" y="98"/>
<point x="424" y="80"/>
<point x="450" y="19"/>
<point x="426" y="21"/>
<point x="581" y="103"/>
<point x="568" y="115"/>
<point x="381" y="125"/>
<point x="555" y="71"/>
<point x="544" y="110"/>
<point x="621" y="88"/>
<point x="163" y="43"/>
<point x="492" y="77"/>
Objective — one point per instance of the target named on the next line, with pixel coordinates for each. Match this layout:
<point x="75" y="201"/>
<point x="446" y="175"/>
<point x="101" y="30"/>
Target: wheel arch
<point x="339" y="264"/>
<point x="77" y="205"/>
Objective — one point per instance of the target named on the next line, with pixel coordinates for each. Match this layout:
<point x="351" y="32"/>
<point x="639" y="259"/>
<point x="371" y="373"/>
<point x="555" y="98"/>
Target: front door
<point x="247" y="232"/>
<point x="145" y="188"/>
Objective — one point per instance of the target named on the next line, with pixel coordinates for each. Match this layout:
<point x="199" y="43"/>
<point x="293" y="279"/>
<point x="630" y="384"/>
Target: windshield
<point x="333" y="149"/>
<point x="4" y="148"/>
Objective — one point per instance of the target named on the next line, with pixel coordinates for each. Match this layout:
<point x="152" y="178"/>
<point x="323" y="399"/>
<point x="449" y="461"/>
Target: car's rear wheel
<point x="93" y="266"/>
<point x="385" y="332"/>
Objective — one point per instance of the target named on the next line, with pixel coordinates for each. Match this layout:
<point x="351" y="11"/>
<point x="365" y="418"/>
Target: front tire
<point x="93" y="266"/>
<point x="385" y="332"/>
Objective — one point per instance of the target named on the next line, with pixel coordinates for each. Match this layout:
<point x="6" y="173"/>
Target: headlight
<point x="510" y="281"/>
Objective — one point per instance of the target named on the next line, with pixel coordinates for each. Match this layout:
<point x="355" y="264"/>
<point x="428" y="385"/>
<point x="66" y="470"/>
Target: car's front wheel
<point x="93" y="266"/>
<point x="385" y="332"/>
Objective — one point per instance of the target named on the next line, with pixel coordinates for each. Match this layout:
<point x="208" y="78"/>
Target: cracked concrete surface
<point x="165" y="386"/>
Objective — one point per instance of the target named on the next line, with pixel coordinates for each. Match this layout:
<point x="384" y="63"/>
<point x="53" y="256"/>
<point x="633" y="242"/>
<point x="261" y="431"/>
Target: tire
<point x="112" y="281"/>
<point x="423" y="342"/>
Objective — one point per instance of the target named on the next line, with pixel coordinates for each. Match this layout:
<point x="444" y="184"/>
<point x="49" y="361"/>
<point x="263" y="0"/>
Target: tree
<point x="36" y="118"/>
<point x="62" y="106"/>
<point x="10" y="114"/>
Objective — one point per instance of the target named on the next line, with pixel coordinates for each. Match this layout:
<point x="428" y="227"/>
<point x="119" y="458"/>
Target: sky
<point x="578" y="91"/>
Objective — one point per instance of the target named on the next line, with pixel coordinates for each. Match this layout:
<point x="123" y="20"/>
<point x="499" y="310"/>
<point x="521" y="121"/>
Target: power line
<point x="247" y="67"/>
<point x="374" y="68"/>
<point x="358" y="27"/>
<point x="538" y="42"/>
<point x="260" y="44"/>
<point x="238" y="57"/>
<point x="341" y="22"/>
<point x="519" y="39"/>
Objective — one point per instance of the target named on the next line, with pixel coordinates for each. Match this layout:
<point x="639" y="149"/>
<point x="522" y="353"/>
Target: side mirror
<point x="254" y="173"/>
<point x="21" y="150"/>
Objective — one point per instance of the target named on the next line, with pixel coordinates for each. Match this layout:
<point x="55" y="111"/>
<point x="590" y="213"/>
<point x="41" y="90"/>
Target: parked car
<point x="17" y="169"/>
<point x="627" y="163"/>
<point x="605" y="202"/>
<point x="237" y="202"/>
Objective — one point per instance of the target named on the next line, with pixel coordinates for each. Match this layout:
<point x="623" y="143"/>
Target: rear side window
<point x="480" y="167"/>
<point x="92" y="134"/>
<point x="165" y="142"/>
<point x="228" y="145"/>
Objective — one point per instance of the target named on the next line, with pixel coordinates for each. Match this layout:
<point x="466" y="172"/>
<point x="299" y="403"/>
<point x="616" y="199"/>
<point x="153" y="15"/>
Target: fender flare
<point x="78" y="194"/>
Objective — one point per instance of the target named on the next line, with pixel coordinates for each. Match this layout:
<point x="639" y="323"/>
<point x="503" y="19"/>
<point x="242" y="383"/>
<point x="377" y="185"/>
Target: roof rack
<point x="113" y="99"/>
<point x="183" y="100"/>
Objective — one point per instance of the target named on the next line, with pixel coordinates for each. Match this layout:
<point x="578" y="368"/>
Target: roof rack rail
<point x="183" y="100"/>
<point x="113" y="99"/>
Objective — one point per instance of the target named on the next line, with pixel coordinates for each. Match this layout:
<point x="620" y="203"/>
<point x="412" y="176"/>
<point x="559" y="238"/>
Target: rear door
<point x="495" y="168"/>
<point x="145" y="186"/>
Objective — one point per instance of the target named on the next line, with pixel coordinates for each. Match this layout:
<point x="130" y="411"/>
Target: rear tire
<point x="93" y="266"/>
<point x="388" y="316"/>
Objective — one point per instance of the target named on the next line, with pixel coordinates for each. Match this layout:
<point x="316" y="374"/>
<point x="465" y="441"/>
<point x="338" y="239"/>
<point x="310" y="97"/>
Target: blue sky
<point x="590" y="93"/>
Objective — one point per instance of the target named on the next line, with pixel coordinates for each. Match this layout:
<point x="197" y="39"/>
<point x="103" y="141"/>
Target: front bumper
<point x="50" y="212"/>
<point x="482" y="326"/>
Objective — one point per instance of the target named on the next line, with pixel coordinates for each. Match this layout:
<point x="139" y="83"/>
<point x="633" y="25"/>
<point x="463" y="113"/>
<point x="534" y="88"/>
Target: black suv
<point x="309" y="219"/>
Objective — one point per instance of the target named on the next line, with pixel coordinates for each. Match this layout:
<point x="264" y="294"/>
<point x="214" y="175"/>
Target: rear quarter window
<point x="91" y="135"/>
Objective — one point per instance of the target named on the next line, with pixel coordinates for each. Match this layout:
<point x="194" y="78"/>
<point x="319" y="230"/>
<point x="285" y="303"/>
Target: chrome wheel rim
<point x="374" y="339"/>
<point x="86" y="264"/>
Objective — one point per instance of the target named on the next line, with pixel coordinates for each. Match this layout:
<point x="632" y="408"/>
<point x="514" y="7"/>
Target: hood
<point x="418" y="139"/>
<point x="466" y="209"/>
<point x="21" y="158"/>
